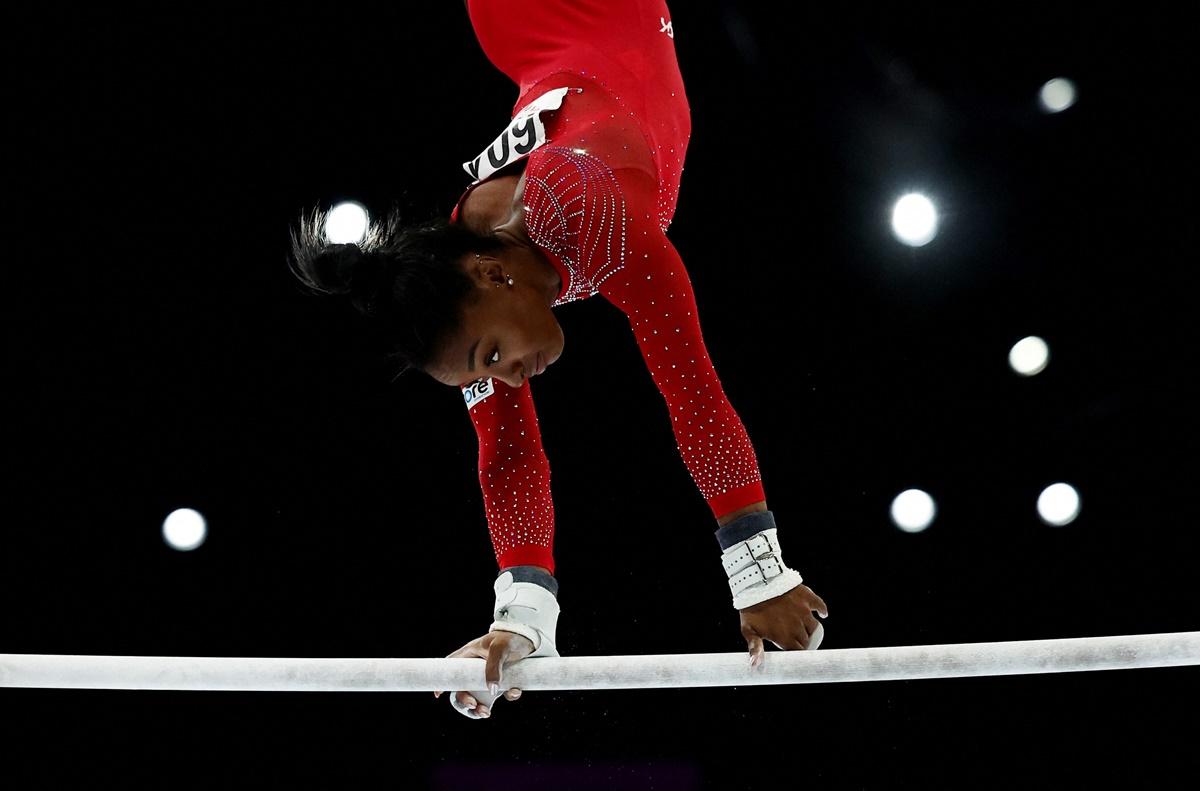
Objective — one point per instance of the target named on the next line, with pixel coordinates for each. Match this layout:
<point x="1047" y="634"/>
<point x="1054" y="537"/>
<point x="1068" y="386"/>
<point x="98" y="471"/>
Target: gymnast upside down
<point x="572" y="199"/>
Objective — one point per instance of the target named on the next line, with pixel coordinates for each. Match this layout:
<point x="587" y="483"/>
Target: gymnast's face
<point x="502" y="334"/>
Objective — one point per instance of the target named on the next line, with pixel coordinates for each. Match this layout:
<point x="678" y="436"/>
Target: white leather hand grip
<point x="756" y="569"/>
<point x="527" y="609"/>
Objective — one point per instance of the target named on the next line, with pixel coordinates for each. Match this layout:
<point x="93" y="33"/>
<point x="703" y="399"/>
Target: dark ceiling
<point x="162" y="356"/>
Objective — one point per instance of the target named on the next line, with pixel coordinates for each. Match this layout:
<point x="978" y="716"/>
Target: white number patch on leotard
<point x="477" y="391"/>
<point x="524" y="134"/>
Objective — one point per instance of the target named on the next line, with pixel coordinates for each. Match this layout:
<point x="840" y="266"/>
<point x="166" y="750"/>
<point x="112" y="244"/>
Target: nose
<point x="519" y="373"/>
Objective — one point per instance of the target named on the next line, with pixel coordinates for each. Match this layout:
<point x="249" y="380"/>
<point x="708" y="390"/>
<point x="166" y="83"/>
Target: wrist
<point x="753" y="560"/>
<point x="527" y="604"/>
<point x="538" y="575"/>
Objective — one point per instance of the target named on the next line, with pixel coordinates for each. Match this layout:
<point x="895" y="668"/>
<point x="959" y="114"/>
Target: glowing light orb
<point x="346" y="223"/>
<point x="1058" y="504"/>
<point x="913" y="510"/>
<point x="1057" y="95"/>
<point x="1029" y="356"/>
<point x="184" y="529"/>
<point x="914" y="220"/>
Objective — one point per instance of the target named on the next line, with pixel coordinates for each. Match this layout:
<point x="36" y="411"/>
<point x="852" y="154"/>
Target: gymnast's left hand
<point x="787" y="621"/>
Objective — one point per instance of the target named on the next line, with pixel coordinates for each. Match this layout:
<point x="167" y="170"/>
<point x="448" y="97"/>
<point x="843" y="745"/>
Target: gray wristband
<point x="743" y="527"/>
<point x="535" y="574"/>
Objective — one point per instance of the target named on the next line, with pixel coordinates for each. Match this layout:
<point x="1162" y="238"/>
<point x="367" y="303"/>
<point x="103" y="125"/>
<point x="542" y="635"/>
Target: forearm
<point x="761" y="505"/>
<point x="514" y="477"/>
<point x="520" y="519"/>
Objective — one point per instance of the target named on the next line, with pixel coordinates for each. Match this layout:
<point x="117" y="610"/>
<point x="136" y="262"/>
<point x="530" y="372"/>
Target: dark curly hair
<point x="405" y="279"/>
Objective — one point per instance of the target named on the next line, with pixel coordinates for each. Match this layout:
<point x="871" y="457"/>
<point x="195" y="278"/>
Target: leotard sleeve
<point x="601" y="227"/>
<point x="514" y="473"/>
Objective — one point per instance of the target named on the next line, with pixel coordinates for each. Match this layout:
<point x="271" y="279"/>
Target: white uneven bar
<point x="254" y="674"/>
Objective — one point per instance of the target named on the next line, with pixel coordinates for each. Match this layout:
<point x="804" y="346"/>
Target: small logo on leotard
<point x="666" y="27"/>
<point x="477" y="391"/>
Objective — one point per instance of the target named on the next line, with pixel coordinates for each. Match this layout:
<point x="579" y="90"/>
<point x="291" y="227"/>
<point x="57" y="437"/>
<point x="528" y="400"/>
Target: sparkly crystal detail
<point x="575" y="209"/>
<point x="599" y="196"/>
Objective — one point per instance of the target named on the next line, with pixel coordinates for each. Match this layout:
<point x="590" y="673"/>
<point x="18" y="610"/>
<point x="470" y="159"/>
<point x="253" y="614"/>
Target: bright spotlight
<point x="1029" y="356"/>
<point x="914" y="220"/>
<point x="346" y="223"/>
<point x="1057" y="95"/>
<point x="1058" y="505"/>
<point x="913" y="510"/>
<point x="184" y="529"/>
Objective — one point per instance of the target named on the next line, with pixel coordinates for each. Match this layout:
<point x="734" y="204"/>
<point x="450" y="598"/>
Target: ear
<point x="493" y="270"/>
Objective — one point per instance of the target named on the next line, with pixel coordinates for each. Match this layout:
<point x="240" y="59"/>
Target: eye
<point x="489" y="360"/>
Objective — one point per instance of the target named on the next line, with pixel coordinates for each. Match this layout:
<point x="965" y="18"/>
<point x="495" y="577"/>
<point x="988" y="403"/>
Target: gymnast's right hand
<point x="499" y="649"/>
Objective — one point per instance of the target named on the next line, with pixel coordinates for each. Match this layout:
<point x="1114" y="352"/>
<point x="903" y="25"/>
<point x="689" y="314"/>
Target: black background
<point x="162" y="356"/>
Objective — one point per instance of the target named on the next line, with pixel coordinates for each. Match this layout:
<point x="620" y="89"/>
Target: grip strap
<point x="753" y="560"/>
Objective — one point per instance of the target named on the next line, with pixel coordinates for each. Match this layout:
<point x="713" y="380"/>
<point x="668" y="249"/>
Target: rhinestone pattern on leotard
<point x="599" y="196"/>
<point x="575" y="209"/>
<point x="604" y="238"/>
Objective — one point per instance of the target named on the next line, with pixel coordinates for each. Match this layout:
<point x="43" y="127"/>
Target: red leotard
<point x="600" y="194"/>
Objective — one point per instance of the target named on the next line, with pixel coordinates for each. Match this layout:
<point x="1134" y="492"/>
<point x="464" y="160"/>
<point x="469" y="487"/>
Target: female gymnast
<point x="572" y="199"/>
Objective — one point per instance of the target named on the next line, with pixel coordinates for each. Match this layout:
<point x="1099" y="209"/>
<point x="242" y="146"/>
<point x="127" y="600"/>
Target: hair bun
<point x="346" y="269"/>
